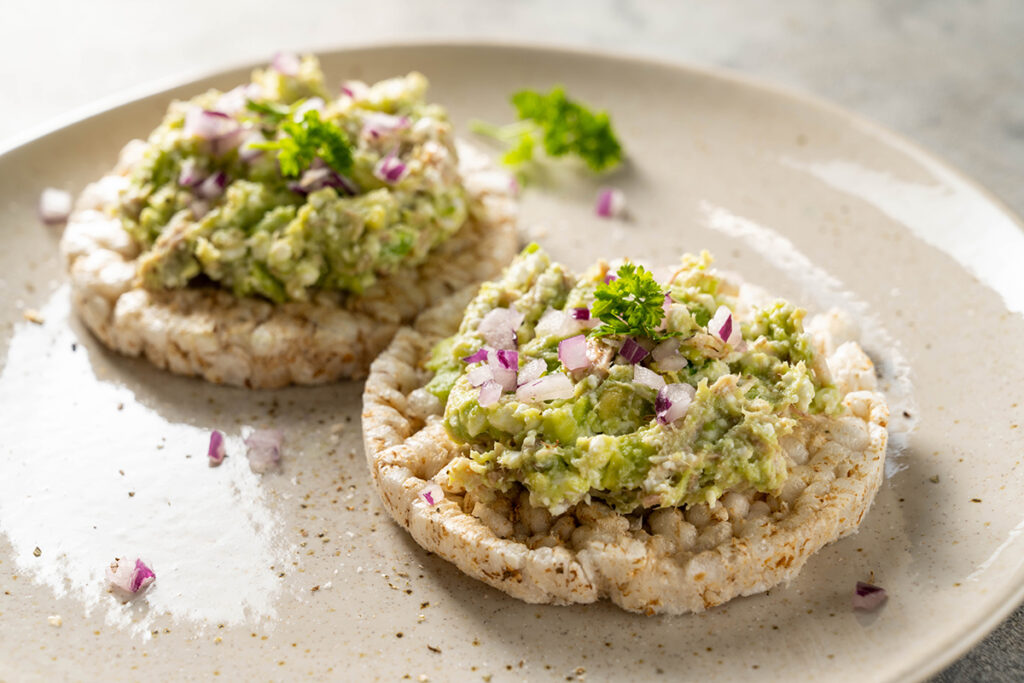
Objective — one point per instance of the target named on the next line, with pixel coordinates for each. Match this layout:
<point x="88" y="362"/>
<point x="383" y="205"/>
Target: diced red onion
<point x="354" y="89"/>
<point x="648" y="378"/>
<point x="550" y="387"/>
<point x="216" y="451"/>
<point x="286" y="63"/>
<point x="722" y="325"/>
<point x="213" y="187"/>
<point x="220" y="130"/>
<point x="573" y="352"/>
<point x="531" y="371"/>
<point x="431" y="494"/>
<point x="190" y="174"/>
<point x="477" y="356"/>
<point x="490" y="392"/>
<point x="246" y="151"/>
<point x="610" y="277"/>
<point x="263" y="447"/>
<point x="610" y="203"/>
<point x="390" y="168"/>
<point x="632" y="351"/>
<point x="667" y="356"/>
<point x="504" y="376"/>
<point x="868" y="597"/>
<point x="499" y="326"/>
<point x="672" y="402"/>
<point x="479" y="375"/>
<point x="233" y="101"/>
<point x="378" y="124"/>
<point x="558" y="324"/>
<point x="54" y="206"/>
<point x="130" y="576"/>
<point x="509" y="360"/>
<point x="581" y="314"/>
<point x="513" y="186"/>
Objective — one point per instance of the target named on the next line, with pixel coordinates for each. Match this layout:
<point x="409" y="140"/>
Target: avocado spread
<point x="619" y="388"/>
<point x="276" y="189"/>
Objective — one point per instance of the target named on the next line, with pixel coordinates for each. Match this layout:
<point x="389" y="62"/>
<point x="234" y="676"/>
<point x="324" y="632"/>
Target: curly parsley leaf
<point x="631" y="304"/>
<point x="304" y="140"/>
<point x="561" y="125"/>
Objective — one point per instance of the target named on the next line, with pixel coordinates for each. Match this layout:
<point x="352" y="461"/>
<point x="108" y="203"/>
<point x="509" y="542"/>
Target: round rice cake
<point x="251" y="342"/>
<point x="651" y="561"/>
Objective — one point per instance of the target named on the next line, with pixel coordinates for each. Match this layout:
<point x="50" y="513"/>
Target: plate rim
<point x="941" y="653"/>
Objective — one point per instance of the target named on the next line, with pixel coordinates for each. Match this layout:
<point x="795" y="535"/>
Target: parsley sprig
<point x="631" y="304"/>
<point x="304" y="140"/>
<point x="563" y="127"/>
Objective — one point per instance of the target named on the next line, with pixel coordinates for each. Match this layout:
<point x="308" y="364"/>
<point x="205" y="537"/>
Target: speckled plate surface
<point x="301" y="574"/>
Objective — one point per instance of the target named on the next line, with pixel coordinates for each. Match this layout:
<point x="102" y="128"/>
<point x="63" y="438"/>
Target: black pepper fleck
<point x="37" y="552"/>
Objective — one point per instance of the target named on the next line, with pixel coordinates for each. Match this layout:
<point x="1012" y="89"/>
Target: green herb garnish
<point x="308" y="139"/>
<point x="631" y="304"/>
<point x="564" y="126"/>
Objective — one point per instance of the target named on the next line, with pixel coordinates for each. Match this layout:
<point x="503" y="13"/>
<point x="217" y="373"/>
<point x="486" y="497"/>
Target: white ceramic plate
<point x="302" y="574"/>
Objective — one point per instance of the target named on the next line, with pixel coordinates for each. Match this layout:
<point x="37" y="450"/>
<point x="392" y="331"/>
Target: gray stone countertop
<point x="948" y="75"/>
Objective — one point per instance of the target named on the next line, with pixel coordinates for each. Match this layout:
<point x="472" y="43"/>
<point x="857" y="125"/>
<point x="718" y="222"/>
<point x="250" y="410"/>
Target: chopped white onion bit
<point x="723" y="326"/>
<point x="54" y="205"/>
<point x="479" y="375"/>
<point x="868" y="597"/>
<point x="378" y="124"/>
<point x="431" y="494"/>
<point x="531" y="371"/>
<point x="573" y="352"/>
<point x="490" y="392"/>
<point x="672" y="402"/>
<point x="548" y="388"/>
<point x="130" y="576"/>
<point x="263" y="447"/>
<point x="216" y="451"/>
<point x="667" y="356"/>
<point x="648" y="378"/>
<point x="558" y="324"/>
<point x="499" y="326"/>
<point x="611" y="203"/>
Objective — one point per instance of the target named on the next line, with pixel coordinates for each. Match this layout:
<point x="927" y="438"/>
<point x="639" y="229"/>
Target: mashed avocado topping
<point x="661" y="398"/>
<point x="275" y="189"/>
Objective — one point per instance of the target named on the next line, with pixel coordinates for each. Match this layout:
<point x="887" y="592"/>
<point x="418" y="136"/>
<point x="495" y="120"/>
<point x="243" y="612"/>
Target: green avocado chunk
<point x="603" y="439"/>
<point x="276" y="190"/>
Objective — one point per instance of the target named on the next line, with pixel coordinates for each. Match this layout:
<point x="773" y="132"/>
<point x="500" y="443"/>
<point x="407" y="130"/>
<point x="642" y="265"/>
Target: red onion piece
<point x="581" y="314"/>
<point x="723" y="326"/>
<point x="286" y="63"/>
<point x="479" y="375"/>
<point x="490" y="392"/>
<point x="610" y="203"/>
<point x="216" y="451"/>
<point x="610" y="277"/>
<point x="431" y="494"/>
<point x="354" y="89"/>
<point x="263" y="447"/>
<point x="130" y="576"/>
<point x="504" y="376"/>
<point x="190" y="174"/>
<point x="54" y="206"/>
<point x="390" y="168"/>
<point x="648" y="378"/>
<point x="868" y="597"/>
<point x="548" y="388"/>
<point x="509" y="360"/>
<point x="213" y="187"/>
<point x="531" y="371"/>
<point x="477" y="356"/>
<point x="632" y="351"/>
<point x="667" y="356"/>
<point x="672" y="402"/>
<point x="573" y="352"/>
<point x="499" y="326"/>
<point x="379" y="124"/>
